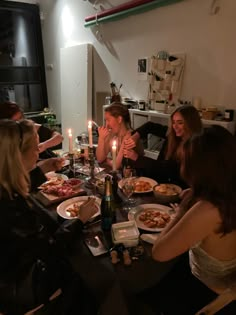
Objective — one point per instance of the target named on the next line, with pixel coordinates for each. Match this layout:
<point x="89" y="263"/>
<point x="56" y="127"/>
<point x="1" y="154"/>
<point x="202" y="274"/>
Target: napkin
<point x="150" y="238"/>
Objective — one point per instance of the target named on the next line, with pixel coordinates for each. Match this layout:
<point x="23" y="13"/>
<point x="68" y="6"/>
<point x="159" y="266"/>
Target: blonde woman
<point x="34" y="265"/>
<point x="118" y="128"/>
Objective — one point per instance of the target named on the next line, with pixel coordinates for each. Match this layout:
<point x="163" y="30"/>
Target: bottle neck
<point x="108" y="191"/>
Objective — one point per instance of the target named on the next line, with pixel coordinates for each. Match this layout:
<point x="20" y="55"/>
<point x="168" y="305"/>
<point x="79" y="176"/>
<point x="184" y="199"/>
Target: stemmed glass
<point x="128" y="187"/>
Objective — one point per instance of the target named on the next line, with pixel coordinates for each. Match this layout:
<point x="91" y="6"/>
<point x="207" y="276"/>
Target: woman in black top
<point x="184" y="122"/>
<point x="35" y="248"/>
<point x="48" y="138"/>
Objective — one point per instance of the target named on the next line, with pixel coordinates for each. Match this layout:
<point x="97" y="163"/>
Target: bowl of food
<point x="167" y="193"/>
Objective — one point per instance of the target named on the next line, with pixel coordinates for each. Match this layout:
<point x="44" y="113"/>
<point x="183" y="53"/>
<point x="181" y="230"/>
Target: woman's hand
<point x="129" y="143"/>
<point x="103" y="132"/>
<point x="52" y="164"/>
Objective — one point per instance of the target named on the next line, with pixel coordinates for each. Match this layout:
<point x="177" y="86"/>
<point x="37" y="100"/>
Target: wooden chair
<point x="220" y="302"/>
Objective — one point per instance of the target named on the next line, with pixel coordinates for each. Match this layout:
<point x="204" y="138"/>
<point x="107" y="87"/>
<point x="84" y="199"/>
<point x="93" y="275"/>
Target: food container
<point x="167" y="193"/>
<point x="209" y="113"/>
<point x="125" y="233"/>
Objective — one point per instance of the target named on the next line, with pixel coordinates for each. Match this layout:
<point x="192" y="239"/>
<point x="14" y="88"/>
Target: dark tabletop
<point x="116" y="285"/>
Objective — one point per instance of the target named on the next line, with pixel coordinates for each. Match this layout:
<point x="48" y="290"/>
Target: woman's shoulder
<point x="204" y="210"/>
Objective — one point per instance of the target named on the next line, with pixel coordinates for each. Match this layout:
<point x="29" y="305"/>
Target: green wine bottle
<point x="108" y="215"/>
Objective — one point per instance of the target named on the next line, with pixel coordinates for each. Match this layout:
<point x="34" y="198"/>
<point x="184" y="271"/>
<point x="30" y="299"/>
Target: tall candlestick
<point x="90" y="134"/>
<point x="70" y="141"/>
<point x="113" y="149"/>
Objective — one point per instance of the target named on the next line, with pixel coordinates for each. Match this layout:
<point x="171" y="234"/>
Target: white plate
<point x="134" y="215"/>
<point x="51" y="175"/>
<point x="152" y="182"/>
<point x="61" y="208"/>
<point x="84" y="169"/>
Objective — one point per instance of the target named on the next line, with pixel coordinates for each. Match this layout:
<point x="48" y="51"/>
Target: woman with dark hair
<point x="205" y="227"/>
<point x="48" y="138"/>
<point x="118" y="127"/>
<point x="184" y="122"/>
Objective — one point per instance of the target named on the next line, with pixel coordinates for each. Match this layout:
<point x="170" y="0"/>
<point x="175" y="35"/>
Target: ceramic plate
<point x="136" y="212"/>
<point x="62" y="207"/>
<point x="51" y="175"/>
<point x="152" y="182"/>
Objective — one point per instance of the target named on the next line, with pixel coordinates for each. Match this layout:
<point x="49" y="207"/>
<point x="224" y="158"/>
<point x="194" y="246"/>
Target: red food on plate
<point x="73" y="181"/>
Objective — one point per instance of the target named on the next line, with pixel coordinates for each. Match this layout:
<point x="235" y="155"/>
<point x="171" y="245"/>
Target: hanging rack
<point x="125" y="10"/>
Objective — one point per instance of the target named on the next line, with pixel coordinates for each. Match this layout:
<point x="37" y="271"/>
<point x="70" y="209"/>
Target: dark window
<point x="22" y="71"/>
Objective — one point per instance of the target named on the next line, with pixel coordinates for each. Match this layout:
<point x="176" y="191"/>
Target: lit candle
<point x="70" y="141"/>
<point x="113" y="149"/>
<point x="90" y="134"/>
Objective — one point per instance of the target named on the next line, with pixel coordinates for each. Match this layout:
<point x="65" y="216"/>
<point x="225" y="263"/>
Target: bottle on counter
<point x="108" y="215"/>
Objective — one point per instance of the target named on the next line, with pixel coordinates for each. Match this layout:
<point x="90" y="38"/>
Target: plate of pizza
<point x="142" y="184"/>
<point x="69" y="209"/>
<point x="151" y="217"/>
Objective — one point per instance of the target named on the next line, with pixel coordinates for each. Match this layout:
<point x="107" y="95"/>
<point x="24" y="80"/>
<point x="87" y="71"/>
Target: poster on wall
<point x="142" y="68"/>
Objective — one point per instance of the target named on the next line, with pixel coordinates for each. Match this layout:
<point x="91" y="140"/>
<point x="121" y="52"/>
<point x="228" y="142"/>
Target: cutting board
<point x="47" y="199"/>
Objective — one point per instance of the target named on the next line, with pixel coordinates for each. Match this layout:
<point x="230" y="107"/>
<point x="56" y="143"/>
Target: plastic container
<point x="126" y="233"/>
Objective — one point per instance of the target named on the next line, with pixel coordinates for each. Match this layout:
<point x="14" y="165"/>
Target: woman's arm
<point x="55" y="139"/>
<point x="185" y="231"/>
<point x="103" y="144"/>
<point x="153" y="128"/>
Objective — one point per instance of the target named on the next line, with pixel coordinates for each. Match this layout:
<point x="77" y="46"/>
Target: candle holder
<point x="91" y="159"/>
<point x="71" y="165"/>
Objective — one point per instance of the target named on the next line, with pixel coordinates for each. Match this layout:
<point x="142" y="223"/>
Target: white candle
<point x="90" y="134"/>
<point x="70" y="141"/>
<point x="113" y="149"/>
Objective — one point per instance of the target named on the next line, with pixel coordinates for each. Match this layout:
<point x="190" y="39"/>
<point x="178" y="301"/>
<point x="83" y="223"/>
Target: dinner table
<point x="115" y="286"/>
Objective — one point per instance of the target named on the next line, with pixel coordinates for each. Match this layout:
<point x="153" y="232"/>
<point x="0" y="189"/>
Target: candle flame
<point x="89" y="124"/>
<point x="69" y="132"/>
<point x="114" y="144"/>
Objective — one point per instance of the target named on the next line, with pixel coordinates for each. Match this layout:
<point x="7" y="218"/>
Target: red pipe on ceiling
<point x="119" y="8"/>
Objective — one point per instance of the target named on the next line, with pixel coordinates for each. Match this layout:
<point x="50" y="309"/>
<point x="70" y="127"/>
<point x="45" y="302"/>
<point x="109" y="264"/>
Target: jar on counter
<point x="229" y="115"/>
<point x="141" y="105"/>
<point x="170" y="108"/>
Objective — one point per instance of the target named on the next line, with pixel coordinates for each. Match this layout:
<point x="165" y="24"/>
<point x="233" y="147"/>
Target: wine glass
<point x="128" y="187"/>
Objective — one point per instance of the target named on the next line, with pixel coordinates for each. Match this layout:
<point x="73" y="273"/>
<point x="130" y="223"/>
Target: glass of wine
<point x="128" y="187"/>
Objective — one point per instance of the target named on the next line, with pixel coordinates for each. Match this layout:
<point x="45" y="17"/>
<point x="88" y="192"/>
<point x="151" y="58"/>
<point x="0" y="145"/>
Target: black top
<point x="37" y="177"/>
<point x="34" y="249"/>
<point x="45" y="133"/>
<point x="161" y="170"/>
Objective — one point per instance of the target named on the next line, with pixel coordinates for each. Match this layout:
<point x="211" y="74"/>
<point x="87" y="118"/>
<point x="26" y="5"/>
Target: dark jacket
<point x="161" y="170"/>
<point x="34" y="248"/>
<point x="45" y="133"/>
<point x="37" y="177"/>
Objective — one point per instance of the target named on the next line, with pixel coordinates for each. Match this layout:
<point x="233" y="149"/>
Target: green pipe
<point x="136" y="10"/>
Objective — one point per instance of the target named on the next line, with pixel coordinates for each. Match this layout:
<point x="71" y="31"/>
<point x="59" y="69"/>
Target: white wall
<point x="208" y="41"/>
